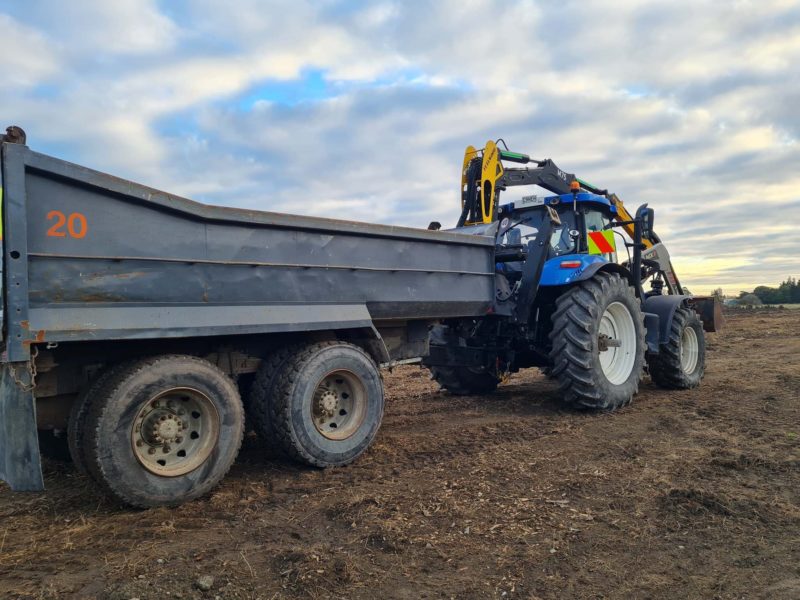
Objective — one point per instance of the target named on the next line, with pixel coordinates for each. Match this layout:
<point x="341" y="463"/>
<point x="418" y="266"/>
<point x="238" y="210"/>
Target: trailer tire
<point x="463" y="381"/>
<point x="327" y="404"/>
<point x="584" y="314"/>
<point x="76" y="423"/>
<point x="184" y="409"/>
<point x="681" y="361"/>
<point x="259" y="399"/>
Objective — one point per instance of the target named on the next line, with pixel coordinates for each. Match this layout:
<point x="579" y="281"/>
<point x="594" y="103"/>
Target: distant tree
<point x="788" y="292"/>
<point x="718" y="294"/>
<point x="768" y="295"/>
<point x="750" y="300"/>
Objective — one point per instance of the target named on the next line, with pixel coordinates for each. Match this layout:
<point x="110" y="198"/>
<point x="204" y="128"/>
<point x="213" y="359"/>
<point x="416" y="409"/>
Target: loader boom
<point x="483" y="177"/>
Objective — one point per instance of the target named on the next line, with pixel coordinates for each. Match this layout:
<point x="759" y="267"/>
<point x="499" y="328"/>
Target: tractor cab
<point x="582" y="237"/>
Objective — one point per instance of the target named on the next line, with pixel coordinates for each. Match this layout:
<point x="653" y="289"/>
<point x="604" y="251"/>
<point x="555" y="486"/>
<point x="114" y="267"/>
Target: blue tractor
<point x="570" y="278"/>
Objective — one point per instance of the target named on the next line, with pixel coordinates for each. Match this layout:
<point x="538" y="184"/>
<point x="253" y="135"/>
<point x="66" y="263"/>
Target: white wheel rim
<point x="617" y="326"/>
<point x="690" y="350"/>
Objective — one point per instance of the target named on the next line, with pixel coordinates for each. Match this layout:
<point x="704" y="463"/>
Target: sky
<point x="362" y="110"/>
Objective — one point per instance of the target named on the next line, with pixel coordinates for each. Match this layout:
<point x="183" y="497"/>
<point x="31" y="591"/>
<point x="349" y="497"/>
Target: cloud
<point x="86" y="30"/>
<point x="361" y="110"/>
<point x="24" y="69"/>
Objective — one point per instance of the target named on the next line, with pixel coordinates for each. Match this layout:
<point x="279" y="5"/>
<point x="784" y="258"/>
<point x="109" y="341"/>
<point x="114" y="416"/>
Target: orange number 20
<point x="76" y="224"/>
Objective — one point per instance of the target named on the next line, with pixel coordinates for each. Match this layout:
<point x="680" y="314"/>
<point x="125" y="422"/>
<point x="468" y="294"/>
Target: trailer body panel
<point x="94" y="257"/>
<point x="91" y="260"/>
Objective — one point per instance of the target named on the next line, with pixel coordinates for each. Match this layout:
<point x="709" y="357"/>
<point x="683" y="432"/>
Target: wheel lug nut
<point x="139" y="443"/>
<point x="166" y="448"/>
<point x="151" y="450"/>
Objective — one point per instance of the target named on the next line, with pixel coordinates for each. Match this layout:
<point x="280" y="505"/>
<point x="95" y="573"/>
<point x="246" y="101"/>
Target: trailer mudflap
<point x="20" y="463"/>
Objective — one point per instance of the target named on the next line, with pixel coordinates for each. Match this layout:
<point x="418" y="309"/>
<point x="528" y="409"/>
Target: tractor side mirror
<point x="646" y="215"/>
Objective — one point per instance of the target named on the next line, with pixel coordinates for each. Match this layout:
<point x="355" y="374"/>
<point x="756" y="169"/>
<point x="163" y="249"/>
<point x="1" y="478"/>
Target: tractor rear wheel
<point x="463" y="381"/>
<point x="681" y="361"/>
<point x="598" y="343"/>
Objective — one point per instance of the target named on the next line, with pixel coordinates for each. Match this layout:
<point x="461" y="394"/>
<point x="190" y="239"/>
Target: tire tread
<point x="665" y="367"/>
<point x="572" y="344"/>
<point x="280" y="405"/>
<point x="108" y="386"/>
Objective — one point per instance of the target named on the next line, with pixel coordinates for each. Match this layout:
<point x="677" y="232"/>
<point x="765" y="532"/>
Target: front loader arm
<point x="483" y="176"/>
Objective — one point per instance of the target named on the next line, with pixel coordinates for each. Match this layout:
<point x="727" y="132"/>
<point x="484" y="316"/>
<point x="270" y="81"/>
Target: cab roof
<point x="581" y="197"/>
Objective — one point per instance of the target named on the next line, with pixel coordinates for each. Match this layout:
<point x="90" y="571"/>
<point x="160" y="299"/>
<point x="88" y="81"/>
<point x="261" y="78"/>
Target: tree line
<point x="788" y="292"/>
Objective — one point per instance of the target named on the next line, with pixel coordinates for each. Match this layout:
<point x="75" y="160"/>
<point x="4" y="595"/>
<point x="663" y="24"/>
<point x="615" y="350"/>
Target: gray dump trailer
<point x="142" y="325"/>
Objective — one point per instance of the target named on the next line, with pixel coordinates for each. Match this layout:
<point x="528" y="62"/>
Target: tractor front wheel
<point x="681" y="360"/>
<point x="598" y="343"/>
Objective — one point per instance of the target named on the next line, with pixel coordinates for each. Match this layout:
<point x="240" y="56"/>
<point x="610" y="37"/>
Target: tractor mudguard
<point x="554" y="274"/>
<point x="664" y="307"/>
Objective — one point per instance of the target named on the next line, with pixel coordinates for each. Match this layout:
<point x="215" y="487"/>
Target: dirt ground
<point x="691" y="494"/>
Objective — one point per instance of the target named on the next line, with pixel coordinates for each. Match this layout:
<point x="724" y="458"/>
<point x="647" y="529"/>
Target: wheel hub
<point x="339" y="405"/>
<point x="161" y="426"/>
<point x="175" y="432"/>
<point x="604" y="342"/>
<point x="328" y="401"/>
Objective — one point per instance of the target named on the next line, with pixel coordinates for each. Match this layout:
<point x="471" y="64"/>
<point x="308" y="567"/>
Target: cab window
<point x="596" y="220"/>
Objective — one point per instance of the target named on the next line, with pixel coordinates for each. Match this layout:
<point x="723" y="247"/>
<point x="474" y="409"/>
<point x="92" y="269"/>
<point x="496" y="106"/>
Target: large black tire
<point x="673" y="367"/>
<point x="327" y="404"/>
<point x="259" y="400"/>
<point x="192" y="395"/>
<point x="76" y="429"/>
<point x="463" y="381"/>
<point x="582" y="313"/>
<point x="76" y="425"/>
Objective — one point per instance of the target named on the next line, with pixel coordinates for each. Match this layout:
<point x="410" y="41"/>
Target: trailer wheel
<point x="681" y="361"/>
<point x="463" y="381"/>
<point x="259" y="399"/>
<point x="76" y="424"/>
<point x="598" y="343"/>
<point x="162" y="430"/>
<point x="327" y="404"/>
